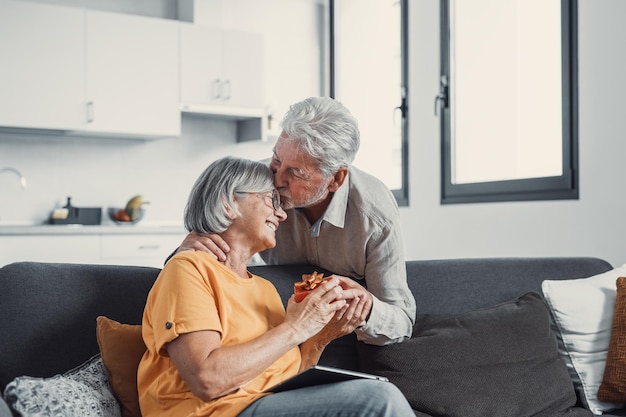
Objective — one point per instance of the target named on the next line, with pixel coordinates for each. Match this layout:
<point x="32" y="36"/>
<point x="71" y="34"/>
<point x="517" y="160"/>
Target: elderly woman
<point x="218" y="336"/>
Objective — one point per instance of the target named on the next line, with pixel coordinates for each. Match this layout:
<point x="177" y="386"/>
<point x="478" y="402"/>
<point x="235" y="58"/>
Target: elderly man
<point x="339" y="218"/>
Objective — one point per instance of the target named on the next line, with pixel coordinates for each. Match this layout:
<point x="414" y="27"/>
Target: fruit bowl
<point x="113" y="210"/>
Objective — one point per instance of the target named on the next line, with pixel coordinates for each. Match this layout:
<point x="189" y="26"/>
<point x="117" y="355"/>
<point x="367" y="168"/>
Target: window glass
<point x="510" y="100"/>
<point x="368" y="80"/>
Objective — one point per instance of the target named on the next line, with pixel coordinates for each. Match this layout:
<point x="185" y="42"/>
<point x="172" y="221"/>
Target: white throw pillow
<point x="81" y="392"/>
<point x="582" y="310"/>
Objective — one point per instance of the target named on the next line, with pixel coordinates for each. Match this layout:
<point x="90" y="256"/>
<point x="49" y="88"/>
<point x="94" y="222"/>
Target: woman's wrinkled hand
<point x="344" y="322"/>
<point x="312" y="314"/>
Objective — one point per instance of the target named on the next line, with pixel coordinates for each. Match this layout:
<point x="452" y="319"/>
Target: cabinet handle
<point x="226" y="90"/>
<point x="148" y="247"/>
<point x="216" y="88"/>
<point x="90" y="112"/>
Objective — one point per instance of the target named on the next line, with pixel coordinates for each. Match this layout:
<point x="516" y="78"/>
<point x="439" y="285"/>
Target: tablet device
<point x="318" y="375"/>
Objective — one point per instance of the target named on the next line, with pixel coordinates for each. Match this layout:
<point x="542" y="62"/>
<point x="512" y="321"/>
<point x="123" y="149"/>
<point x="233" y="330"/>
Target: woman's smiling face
<point x="258" y="219"/>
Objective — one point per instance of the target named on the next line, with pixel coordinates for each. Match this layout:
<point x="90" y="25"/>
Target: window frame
<point x="565" y="186"/>
<point x="401" y="194"/>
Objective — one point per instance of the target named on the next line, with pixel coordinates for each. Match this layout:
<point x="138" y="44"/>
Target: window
<point x="508" y="100"/>
<point x="368" y="75"/>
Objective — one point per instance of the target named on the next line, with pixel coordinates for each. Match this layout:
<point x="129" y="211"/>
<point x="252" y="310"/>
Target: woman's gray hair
<point x="326" y="130"/>
<point x="213" y="193"/>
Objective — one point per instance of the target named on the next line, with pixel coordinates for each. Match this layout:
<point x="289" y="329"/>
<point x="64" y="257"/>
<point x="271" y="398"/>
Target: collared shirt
<point x="359" y="236"/>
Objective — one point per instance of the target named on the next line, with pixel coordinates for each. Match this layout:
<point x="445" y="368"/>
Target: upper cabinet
<point x="132" y="75"/>
<point x="222" y="71"/>
<point x="42" y="76"/>
<point x="87" y="71"/>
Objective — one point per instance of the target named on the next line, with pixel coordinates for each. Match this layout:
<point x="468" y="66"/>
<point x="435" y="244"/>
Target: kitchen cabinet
<point x="88" y="72"/>
<point x="132" y="75"/>
<point x="222" y="74"/>
<point x="42" y="75"/>
<point x="148" y="250"/>
<point x="71" y="249"/>
<point x="221" y="68"/>
<point x="110" y="245"/>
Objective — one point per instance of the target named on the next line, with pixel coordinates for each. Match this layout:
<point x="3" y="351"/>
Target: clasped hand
<point x="334" y="309"/>
<point x="310" y="315"/>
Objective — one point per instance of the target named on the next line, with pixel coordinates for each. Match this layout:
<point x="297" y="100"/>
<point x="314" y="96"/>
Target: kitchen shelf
<point x="250" y="126"/>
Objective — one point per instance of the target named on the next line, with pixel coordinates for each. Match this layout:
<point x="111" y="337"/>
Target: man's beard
<point x="319" y="195"/>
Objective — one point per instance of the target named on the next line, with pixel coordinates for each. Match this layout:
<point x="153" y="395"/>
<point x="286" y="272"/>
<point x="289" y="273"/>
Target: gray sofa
<point x="48" y="313"/>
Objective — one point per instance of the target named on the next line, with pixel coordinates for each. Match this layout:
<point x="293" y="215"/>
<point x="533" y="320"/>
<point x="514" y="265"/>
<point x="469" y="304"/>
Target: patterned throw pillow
<point x="81" y="392"/>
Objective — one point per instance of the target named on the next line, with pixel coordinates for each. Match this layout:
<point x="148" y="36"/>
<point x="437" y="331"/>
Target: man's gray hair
<point x="213" y="193"/>
<point x="326" y="130"/>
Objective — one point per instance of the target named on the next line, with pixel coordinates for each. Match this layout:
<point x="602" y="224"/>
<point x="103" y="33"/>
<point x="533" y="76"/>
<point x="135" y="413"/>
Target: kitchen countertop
<point x="103" y="229"/>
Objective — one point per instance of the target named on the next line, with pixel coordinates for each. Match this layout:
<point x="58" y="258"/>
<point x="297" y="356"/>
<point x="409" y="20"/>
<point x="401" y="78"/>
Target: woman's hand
<point x="343" y="322"/>
<point x="313" y="313"/>
<point x="210" y="243"/>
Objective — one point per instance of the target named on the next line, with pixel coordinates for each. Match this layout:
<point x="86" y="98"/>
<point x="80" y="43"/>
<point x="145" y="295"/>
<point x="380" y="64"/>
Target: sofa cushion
<point x="83" y="391"/>
<point x="121" y="347"/>
<point x="613" y="386"/>
<point x="498" y="361"/>
<point x="582" y="311"/>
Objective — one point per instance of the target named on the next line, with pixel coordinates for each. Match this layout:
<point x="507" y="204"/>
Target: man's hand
<point x="353" y="290"/>
<point x="352" y="315"/>
<point x="210" y="243"/>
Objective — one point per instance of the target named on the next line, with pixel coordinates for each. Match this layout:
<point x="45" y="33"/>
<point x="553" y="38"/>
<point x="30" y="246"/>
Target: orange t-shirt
<point x="194" y="292"/>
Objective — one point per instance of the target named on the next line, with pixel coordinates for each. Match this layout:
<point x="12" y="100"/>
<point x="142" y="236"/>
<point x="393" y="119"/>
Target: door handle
<point x="441" y="99"/>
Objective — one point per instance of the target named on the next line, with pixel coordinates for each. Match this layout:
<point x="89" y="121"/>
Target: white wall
<point x="591" y="226"/>
<point x="99" y="172"/>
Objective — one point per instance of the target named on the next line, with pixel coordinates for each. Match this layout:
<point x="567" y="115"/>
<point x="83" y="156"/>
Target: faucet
<point x="16" y="172"/>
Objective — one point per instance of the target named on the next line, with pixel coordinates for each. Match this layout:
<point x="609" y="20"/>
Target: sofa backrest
<point x="458" y="285"/>
<point x="48" y="312"/>
<point x="451" y="286"/>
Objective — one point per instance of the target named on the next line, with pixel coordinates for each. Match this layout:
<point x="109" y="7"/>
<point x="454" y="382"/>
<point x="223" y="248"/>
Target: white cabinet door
<point x="201" y="64"/>
<point x="42" y="72"/>
<point x="244" y="66"/>
<point x="221" y="68"/>
<point x="142" y="250"/>
<point x="124" y="249"/>
<point x="37" y="248"/>
<point x="132" y="74"/>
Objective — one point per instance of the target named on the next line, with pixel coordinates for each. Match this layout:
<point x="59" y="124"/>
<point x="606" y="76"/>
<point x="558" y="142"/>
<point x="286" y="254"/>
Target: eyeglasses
<point x="275" y="199"/>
